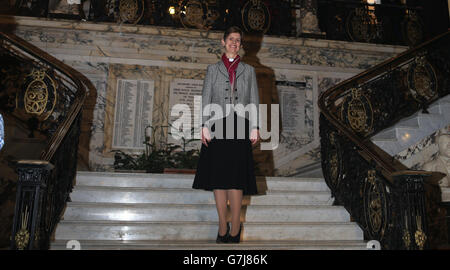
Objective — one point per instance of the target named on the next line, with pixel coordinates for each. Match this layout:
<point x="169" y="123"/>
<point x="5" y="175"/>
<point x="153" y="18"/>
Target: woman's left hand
<point x="254" y="136"/>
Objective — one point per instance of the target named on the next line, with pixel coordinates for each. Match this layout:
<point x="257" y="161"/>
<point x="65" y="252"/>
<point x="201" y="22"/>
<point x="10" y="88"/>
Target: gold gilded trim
<point x="129" y="11"/>
<point x="359" y="112"/>
<point x="422" y="80"/>
<point x="406" y="238"/>
<point x="22" y="238"/>
<point x="37" y="94"/>
<point x="192" y="14"/>
<point x="256" y="16"/>
<point x="420" y="236"/>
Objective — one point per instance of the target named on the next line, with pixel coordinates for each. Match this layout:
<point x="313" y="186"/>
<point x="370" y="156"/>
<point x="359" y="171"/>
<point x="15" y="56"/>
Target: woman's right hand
<point x="206" y="137"/>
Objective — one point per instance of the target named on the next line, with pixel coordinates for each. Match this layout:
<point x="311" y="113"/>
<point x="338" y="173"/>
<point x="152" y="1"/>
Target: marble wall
<point x="422" y="152"/>
<point x="105" y="52"/>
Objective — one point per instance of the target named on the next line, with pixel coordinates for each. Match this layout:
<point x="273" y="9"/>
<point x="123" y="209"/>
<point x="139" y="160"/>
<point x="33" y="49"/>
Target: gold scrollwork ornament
<point x="420" y="236"/>
<point x="192" y="13"/>
<point x="375" y="205"/>
<point x="334" y="167"/>
<point x="39" y="96"/>
<point x="22" y="237"/>
<point x="413" y="29"/>
<point x="406" y="238"/>
<point x="333" y="159"/>
<point x="371" y="177"/>
<point x="36" y="95"/>
<point x="359" y="112"/>
<point x="255" y="16"/>
<point x="129" y="11"/>
<point x="422" y="80"/>
<point x="406" y="234"/>
<point x="359" y="26"/>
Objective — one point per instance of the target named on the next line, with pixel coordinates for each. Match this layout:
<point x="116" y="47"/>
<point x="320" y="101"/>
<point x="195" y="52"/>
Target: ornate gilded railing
<point x="47" y="96"/>
<point x="391" y="203"/>
<point x="373" y="23"/>
<point x="341" y="19"/>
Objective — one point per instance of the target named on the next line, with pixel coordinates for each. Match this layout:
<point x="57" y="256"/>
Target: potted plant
<point x="185" y="160"/>
<point x="162" y="158"/>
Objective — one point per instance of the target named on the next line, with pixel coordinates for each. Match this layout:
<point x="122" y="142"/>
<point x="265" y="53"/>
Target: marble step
<point x="311" y="170"/>
<point x="191" y="196"/>
<point x="412" y="129"/>
<point x="404" y="138"/>
<point x="185" y="181"/>
<point x="407" y="130"/>
<point x="211" y="245"/>
<point x="204" y="212"/>
<point x="205" y="231"/>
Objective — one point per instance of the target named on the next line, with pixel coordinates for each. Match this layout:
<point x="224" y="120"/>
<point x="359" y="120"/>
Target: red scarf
<point x="231" y="67"/>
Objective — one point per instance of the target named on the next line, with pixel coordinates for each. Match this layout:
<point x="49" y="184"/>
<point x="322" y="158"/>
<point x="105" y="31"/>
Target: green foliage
<point x="157" y="157"/>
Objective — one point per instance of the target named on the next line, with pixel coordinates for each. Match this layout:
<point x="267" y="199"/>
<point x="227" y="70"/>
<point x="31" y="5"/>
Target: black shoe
<point x="236" y="238"/>
<point x="224" y="238"/>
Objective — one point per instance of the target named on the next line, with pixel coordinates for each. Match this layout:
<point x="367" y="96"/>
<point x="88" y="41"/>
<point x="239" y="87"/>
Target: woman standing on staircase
<point x="226" y="160"/>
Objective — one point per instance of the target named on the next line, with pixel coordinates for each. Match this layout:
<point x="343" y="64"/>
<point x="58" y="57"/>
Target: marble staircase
<point x="410" y="130"/>
<point x="162" y="211"/>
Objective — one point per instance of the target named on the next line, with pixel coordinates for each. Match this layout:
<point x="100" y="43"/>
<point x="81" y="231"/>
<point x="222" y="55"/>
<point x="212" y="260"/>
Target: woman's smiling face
<point x="232" y="43"/>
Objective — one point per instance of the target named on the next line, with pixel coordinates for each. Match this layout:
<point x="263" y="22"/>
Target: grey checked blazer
<point x="216" y="89"/>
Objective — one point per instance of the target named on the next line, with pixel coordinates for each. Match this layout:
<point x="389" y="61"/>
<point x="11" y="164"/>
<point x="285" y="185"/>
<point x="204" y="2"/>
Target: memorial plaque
<point x="187" y="93"/>
<point x="292" y="102"/>
<point x="296" y="108"/>
<point x="133" y="113"/>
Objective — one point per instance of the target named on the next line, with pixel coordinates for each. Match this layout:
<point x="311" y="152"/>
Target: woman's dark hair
<point x="233" y="29"/>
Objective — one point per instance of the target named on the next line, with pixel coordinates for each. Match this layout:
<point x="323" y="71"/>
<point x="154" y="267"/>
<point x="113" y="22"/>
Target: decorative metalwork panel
<point x="362" y="25"/>
<point x="389" y="23"/>
<point x="413" y="29"/>
<point x="422" y="80"/>
<point x="34" y="92"/>
<point x="193" y="13"/>
<point x="410" y="208"/>
<point x="334" y="157"/>
<point x="375" y="205"/>
<point x="131" y="10"/>
<point x="22" y="237"/>
<point x="38" y="96"/>
<point x="357" y="112"/>
<point x="256" y="16"/>
<point x="30" y="187"/>
<point x="379" y="23"/>
<point x="214" y="16"/>
<point x="42" y="193"/>
<point x="46" y="95"/>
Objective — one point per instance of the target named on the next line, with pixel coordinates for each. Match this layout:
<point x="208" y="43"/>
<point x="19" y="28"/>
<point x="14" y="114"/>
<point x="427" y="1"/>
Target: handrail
<point x="395" y="205"/>
<point x="79" y="79"/>
<point x="367" y="148"/>
<point x="44" y="185"/>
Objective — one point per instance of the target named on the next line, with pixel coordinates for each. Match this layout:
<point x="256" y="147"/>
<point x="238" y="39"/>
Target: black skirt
<point x="227" y="162"/>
